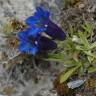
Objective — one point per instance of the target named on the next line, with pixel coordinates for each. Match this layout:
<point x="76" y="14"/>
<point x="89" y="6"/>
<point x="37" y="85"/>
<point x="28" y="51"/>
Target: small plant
<point x="36" y="35"/>
<point x="78" y="53"/>
<point x="39" y="33"/>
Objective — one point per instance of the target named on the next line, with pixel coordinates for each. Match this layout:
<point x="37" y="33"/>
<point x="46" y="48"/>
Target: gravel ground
<point x="32" y="82"/>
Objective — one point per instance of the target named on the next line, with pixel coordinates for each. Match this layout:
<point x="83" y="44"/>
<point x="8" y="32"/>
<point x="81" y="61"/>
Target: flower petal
<point x="34" y="31"/>
<point x="28" y="48"/>
<point x="23" y="47"/>
<point x="32" y="20"/>
<point x="33" y="50"/>
<point x="54" y="31"/>
<point x="39" y="17"/>
<point x="23" y="35"/>
<point x="41" y="13"/>
<point x="46" y="44"/>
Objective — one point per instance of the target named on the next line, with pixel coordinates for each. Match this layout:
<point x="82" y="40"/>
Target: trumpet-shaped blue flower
<point x="40" y="17"/>
<point x="55" y="31"/>
<point x="26" y="45"/>
<point x="33" y="45"/>
<point x="32" y="41"/>
<point x="33" y="30"/>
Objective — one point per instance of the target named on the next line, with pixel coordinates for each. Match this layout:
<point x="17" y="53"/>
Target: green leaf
<point x="93" y="45"/>
<point x="54" y="57"/>
<point x="90" y="59"/>
<point x="92" y="70"/>
<point x="84" y="40"/>
<point x="70" y="62"/>
<point x="57" y="56"/>
<point x="90" y="54"/>
<point x="87" y="27"/>
<point x="78" y="47"/>
<point x="65" y="76"/>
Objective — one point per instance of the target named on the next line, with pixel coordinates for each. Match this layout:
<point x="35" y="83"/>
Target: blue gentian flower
<point x="31" y="39"/>
<point x="55" y="31"/>
<point x="40" y="17"/>
<point x="33" y="30"/>
<point x="33" y="45"/>
<point x="26" y="44"/>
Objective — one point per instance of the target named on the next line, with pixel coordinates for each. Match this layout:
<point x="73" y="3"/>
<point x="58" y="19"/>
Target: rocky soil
<point x="25" y="80"/>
